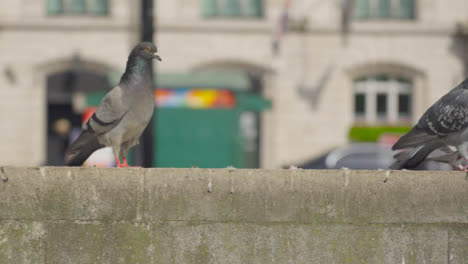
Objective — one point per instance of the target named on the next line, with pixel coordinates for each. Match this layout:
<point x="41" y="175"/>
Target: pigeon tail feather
<point x="413" y="138"/>
<point x="412" y="158"/>
<point x="81" y="149"/>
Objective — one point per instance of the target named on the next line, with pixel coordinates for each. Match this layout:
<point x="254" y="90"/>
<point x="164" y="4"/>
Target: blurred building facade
<point x="323" y="75"/>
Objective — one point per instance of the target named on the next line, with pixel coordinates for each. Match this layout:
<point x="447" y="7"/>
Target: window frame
<point x="66" y="9"/>
<point x="395" y="12"/>
<point x="220" y="12"/>
<point x="392" y="87"/>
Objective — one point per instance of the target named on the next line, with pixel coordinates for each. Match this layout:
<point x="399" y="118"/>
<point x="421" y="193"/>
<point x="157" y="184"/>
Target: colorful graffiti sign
<point x="194" y="98"/>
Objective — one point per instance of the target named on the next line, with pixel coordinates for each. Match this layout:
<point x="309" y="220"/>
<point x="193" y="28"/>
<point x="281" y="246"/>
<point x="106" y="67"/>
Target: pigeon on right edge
<point x="444" y="124"/>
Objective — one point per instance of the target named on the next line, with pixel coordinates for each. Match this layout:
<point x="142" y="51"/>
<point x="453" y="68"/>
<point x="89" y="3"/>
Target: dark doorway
<point x="63" y="123"/>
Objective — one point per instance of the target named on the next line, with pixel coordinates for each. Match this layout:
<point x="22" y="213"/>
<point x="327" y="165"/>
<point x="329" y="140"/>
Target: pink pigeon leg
<point x="124" y="161"/>
<point x="117" y="162"/>
<point x="464" y="168"/>
<point x="125" y="164"/>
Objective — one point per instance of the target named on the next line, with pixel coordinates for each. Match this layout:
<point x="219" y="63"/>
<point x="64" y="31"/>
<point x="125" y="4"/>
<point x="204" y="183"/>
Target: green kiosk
<point x="204" y="119"/>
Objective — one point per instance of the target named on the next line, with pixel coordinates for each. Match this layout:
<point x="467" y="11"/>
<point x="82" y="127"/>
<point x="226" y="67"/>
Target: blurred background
<point x="243" y="83"/>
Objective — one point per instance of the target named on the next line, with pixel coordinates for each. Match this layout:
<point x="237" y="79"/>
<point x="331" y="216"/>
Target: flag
<point x="282" y="27"/>
<point x="347" y="7"/>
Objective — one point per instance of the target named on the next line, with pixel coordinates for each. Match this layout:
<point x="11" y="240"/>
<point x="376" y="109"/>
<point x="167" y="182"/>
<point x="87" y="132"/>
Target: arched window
<point x="382" y="99"/>
<point x="384" y="9"/>
<point x="78" y="7"/>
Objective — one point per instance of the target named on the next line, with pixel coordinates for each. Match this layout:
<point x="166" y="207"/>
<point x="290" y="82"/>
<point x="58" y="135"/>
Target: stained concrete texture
<point x="90" y="215"/>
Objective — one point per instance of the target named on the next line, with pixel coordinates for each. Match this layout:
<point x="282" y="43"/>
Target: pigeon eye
<point x="147" y="49"/>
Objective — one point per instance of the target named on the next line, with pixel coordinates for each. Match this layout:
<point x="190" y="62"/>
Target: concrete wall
<point x="88" y="215"/>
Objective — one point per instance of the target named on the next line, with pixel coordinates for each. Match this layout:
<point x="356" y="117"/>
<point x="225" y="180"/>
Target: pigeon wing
<point x="447" y="116"/>
<point x="109" y="113"/>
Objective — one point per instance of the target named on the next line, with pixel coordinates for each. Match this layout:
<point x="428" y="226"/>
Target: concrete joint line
<point x="2" y="175"/>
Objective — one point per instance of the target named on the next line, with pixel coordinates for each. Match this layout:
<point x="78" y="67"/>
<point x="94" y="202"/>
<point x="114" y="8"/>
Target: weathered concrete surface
<point x="79" y="215"/>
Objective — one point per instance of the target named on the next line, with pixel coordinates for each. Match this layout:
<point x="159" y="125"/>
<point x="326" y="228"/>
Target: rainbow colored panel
<point x="194" y="98"/>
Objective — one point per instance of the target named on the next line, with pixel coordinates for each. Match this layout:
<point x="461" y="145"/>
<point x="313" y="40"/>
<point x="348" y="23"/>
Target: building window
<point x="382" y="99"/>
<point x="232" y="8"/>
<point x="384" y="9"/>
<point x="382" y="105"/>
<point x="359" y="104"/>
<point x="78" y="7"/>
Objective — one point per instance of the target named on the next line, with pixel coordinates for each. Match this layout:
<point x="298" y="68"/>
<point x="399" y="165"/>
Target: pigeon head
<point x="146" y="50"/>
<point x="139" y="63"/>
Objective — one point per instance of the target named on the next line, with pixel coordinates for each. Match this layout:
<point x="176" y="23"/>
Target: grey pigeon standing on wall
<point x="123" y="113"/>
<point x="443" y="125"/>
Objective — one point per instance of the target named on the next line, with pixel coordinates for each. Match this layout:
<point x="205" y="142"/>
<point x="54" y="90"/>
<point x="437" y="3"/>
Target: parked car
<point x="370" y="156"/>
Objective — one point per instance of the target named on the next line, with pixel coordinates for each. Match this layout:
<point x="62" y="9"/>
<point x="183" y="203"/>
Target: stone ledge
<point x="234" y="195"/>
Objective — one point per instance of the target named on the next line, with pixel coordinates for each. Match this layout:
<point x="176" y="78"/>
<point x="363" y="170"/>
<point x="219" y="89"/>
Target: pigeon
<point x="445" y="154"/>
<point x="450" y="156"/>
<point x="444" y="124"/>
<point x="123" y="113"/>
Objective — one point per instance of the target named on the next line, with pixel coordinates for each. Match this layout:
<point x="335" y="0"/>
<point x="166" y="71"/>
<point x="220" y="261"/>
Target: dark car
<point x="369" y="156"/>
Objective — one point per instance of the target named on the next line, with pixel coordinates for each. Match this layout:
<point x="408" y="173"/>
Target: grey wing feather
<point x="109" y="112"/>
<point x="446" y="116"/>
<point x="414" y="138"/>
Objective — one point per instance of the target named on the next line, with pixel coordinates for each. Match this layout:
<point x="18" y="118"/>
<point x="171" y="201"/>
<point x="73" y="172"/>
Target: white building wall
<point x="31" y="44"/>
<point x="293" y="131"/>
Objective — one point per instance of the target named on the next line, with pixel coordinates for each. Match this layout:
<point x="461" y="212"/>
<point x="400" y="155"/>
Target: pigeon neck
<point x="138" y="69"/>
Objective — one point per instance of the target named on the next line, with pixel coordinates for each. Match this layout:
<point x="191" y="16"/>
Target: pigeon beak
<point x="156" y="56"/>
